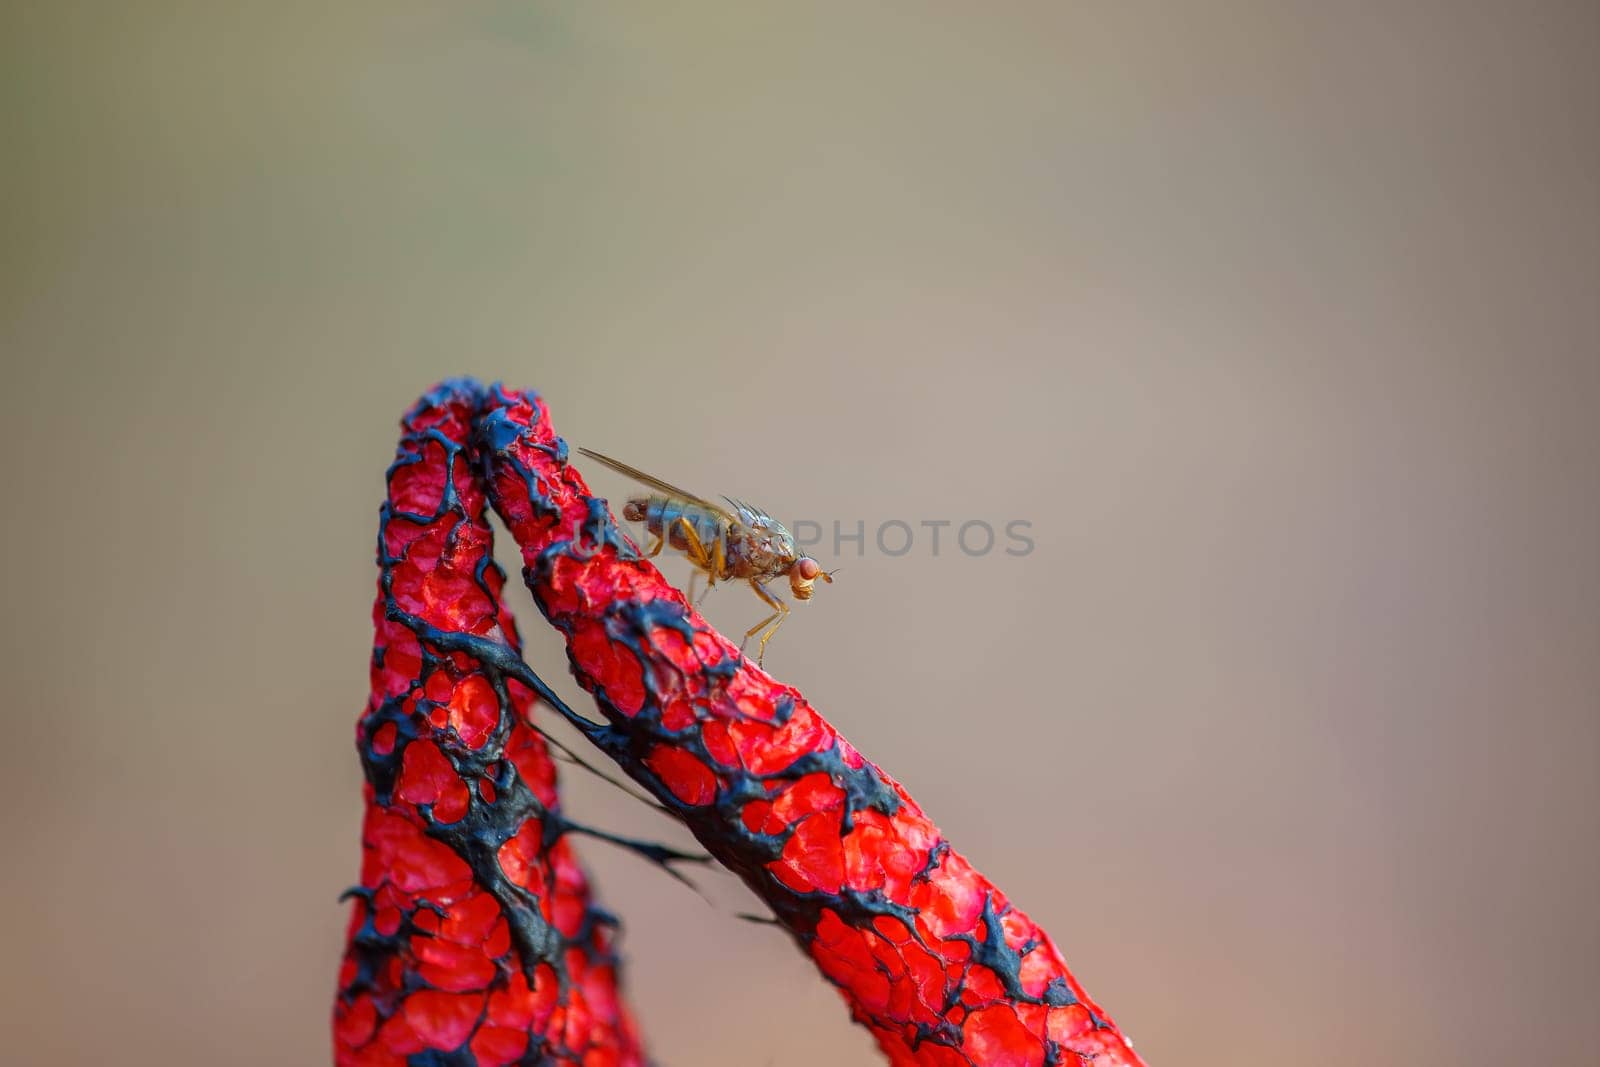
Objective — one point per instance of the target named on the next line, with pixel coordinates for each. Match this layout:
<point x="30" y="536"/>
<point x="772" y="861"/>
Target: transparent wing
<point x="753" y="516"/>
<point x="660" y="486"/>
<point x="745" y="512"/>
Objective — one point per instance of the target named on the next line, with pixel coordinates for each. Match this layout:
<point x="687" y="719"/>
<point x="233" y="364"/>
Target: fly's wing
<point x="756" y="519"/>
<point x="748" y="515"/>
<point x="752" y="515"/>
<point x="666" y="488"/>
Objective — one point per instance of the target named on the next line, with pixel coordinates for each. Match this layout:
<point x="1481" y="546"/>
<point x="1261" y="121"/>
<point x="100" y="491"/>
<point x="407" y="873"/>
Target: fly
<point x="726" y="543"/>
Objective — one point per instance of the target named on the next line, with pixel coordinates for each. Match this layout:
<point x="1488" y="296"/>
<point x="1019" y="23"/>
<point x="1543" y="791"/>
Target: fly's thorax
<point x="761" y="549"/>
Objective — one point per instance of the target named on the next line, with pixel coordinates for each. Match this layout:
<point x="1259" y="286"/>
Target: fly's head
<point x="803" y="577"/>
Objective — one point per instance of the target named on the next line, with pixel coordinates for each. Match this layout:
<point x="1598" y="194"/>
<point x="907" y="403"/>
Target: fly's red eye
<point x="808" y="567"/>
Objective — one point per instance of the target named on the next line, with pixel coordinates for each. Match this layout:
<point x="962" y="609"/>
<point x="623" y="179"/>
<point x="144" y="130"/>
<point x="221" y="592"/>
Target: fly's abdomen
<point x="662" y="515"/>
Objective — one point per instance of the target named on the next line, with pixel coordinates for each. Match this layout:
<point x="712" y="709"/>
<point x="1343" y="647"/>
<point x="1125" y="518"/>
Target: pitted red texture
<point x="899" y="922"/>
<point x="433" y="963"/>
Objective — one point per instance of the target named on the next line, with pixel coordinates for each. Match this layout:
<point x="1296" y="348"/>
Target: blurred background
<point x="1277" y="321"/>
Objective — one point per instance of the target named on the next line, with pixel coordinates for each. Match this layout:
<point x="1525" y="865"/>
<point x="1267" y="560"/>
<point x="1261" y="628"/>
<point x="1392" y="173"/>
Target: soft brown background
<point x="1277" y="320"/>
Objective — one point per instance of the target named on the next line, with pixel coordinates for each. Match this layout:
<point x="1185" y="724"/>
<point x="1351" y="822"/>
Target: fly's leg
<point x="698" y="600"/>
<point x="695" y="549"/>
<point x="719" y="560"/>
<point x="761" y="649"/>
<point x="655" y="549"/>
<point x="780" y="611"/>
<point x="717" y="564"/>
